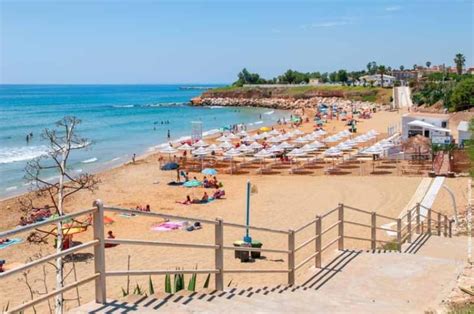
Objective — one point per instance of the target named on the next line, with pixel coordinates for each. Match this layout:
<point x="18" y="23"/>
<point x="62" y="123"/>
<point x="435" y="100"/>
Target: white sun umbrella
<point x="333" y="153"/>
<point x="242" y="133"/>
<point x="255" y="145"/>
<point x="342" y="146"/>
<point x="298" y="132"/>
<point x="225" y="145"/>
<point x="185" y="146"/>
<point x="297" y="153"/>
<point x="201" y="152"/>
<point x="265" y="135"/>
<point x="200" y="143"/>
<point x="316" y="144"/>
<point x="248" y="139"/>
<point x="301" y="140"/>
<point x="286" y="145"/>
<point x="331" y="139"/>
<point x="311" y="137"/>
<point x="275" y="149"/>
<point x="373" y="150"/>
<point x="257" y="137"/>
<point x="274" y="132"/>
<point x="361" y="139"/>
<point x="169" y="150"/>
<point x="321" y="132"/>
<point x="214" y="147"/>
<point x="345" y="133"/>
<point x="245" y="149"/>
<point x="274" y="140"/>
<point x="231" y="154"/>
<point x="350" y="143"/>
<point x="262" y="155"/>
<point x="308" y="148"/>
<point x="373" y="132"/>
<point x="232" y="136"/>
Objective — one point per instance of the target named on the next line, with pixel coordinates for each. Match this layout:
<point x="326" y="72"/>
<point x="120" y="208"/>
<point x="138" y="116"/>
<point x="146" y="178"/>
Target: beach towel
<point x="174" y="183"/>
<point x="169" y="225"/>
<point x="210" y="199"/>
<point x="11" y="242"/>
<point x="127" y="215"/>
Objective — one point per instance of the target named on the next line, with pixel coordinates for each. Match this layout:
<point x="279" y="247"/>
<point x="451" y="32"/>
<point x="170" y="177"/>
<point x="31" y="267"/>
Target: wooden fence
<point x="434" y="222"/>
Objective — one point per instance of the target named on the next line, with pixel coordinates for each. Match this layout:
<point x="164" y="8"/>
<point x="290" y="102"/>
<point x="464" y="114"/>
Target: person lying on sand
<point x="6" y="240"/>
<point x="204" y="199"/>
<point x="110" y="235"/>
<point x="187" y="201"/>
<point x="218" y="194"/>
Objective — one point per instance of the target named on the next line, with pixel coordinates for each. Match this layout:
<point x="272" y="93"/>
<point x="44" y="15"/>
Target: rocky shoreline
<point x="277" y="103"/>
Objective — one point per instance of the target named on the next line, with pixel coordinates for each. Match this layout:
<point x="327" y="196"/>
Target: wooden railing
<point x="321" y="238"/>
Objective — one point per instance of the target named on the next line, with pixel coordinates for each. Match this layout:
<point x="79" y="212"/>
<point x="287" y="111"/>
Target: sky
<point x="139" y="42"/>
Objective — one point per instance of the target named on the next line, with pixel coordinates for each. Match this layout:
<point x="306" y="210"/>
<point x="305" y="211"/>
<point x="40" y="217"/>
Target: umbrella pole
<point x="247" y="237"/>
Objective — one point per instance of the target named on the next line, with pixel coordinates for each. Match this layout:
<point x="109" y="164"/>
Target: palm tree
<point x="460" y="61"/>
<point x="381" y="71"/>
<point x="428" y="64"/>
<point x="402" y="68"/>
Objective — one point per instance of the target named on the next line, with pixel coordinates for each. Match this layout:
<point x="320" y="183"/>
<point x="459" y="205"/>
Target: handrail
<point x="330" y="227"/>
<point x="255" y="271"/>
<point x="306" y="260"/>
<point x="231" y="224"/>
<point x="52" y="294"/>
<point x="329" y="212"/>
<point x="155" y="214"/>
<point x="254" y="249"/>
<point x="160" y="272"/>
<point x="49" y="257"/>
<point x="329" y="244"/>
<point x="385" y="229"/>
<point x="35" y="225"/>
<point x="357" y="224"/>
<point x="358" y="210"/>
<point x="161" y="243"/>
<point x="357" y="238"/>
<point x="302" y="245"/>
<point x="305" y="225"/>
<point x="386" y="217"/>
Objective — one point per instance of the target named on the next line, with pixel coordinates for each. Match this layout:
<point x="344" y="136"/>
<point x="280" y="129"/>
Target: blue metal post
<point x="247" y="237"/>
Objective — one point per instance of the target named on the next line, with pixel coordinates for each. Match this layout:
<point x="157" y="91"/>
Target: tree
<point x="462" y="96"/>
<point x="460" y="61"/>
<point x="62" y="142"/>
<point x="342" y="76"/>
<point x="402" y="68"/>
<point x="245" y="77"/>
<point x="333" y="76"/>
<point x="381" y="70"/>
<point x="415" y="66"/>
<point x="428" y="64"/>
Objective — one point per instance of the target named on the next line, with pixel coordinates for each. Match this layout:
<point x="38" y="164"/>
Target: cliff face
<point x="285" y="98"/>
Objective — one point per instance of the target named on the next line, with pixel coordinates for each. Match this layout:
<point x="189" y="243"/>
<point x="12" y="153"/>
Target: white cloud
<point x="325" y="24"/>
<point x="393" y="8"/>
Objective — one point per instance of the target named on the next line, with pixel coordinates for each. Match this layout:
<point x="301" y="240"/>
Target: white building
<point x="463" y="132"/>
<point x="388" y="80"/>
<point x="431" y="125"/>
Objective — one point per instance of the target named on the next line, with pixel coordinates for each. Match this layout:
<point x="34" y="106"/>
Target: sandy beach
<point x="283" y="201"/>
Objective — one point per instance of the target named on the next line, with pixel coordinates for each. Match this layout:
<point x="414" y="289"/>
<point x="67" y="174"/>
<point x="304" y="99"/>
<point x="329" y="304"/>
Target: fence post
<point x="99" y="252"/>
<point x="341" y="226"/>
<point x="439" y="224"/>
<point x="418" y="227"/>
<point x="450" y="228"/>
<point x="373" y="231"/>
<point x="409" y="226"/>
<point x="445" y="225"/>
<point x="317" y="259"/>
<point x="291" y="257"/>
<point x="429" y="221"/>
<point x="219" y="254"/>
<point x="399" y="234"/>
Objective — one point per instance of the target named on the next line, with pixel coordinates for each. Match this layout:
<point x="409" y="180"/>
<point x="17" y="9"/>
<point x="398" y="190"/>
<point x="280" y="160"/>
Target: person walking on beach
<point x="27" y="139"/>
<point x="133" y="157"/>
<point x="169" y="134"/>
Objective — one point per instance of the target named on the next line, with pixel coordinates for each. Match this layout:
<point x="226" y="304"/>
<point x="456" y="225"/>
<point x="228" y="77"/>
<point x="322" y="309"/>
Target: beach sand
<point x="282" y="202"/>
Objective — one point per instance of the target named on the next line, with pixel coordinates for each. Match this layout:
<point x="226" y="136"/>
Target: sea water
<point x="119" y="120"/>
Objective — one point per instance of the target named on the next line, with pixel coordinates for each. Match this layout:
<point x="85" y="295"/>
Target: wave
<point x="15" y="154"/>
<point x="269" y="112"/>
<point x="123" y="106"/>
<point x="115" y="159"/>
<point x="258" y="122"/>
<point x="216" y="107"/>
<point x="90" y="160"/>
<point x="210" y="132"/>
<point x="11" y="188"/>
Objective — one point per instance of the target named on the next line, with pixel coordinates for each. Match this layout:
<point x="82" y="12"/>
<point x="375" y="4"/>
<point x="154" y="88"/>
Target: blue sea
<point x="119" y="120"/>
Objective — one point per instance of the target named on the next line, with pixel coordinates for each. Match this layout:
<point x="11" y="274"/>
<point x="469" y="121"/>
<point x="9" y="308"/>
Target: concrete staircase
<point x="354" y="281"/>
